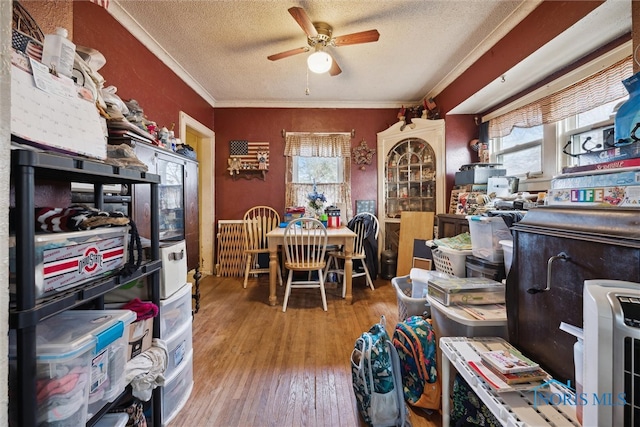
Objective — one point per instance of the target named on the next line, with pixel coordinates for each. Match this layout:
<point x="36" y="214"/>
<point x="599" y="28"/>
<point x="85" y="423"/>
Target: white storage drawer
<point x="174" y="268"/>
<point x="179" y="346"/>
<point x="176" y="390"/>
<point x="175" y="312"/>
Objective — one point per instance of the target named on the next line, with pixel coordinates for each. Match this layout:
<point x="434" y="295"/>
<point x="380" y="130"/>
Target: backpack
<point x="375" y="370"/>
<point x="415" y="342"/>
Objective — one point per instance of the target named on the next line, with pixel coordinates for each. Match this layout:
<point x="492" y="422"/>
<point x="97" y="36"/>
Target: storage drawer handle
<point x="176" y="256"/>
<point x="561" y="256"/>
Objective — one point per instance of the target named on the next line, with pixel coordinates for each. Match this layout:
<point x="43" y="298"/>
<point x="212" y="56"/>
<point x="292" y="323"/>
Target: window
<point x="321" y="170"/>
<point x="589" y="131"/>
<point x="544" y="149"/>
<point x="537" y="136"/>
<point x="322" y="161"/>
<point x="521" y="151"/>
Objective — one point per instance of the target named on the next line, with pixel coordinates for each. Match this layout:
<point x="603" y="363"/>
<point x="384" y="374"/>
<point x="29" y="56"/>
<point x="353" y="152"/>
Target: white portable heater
<point x="611" y="380"/>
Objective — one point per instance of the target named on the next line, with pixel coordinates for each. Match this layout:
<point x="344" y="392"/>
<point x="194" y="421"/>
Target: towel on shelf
<point x="144" y="310"/>
<point x="146" y="371"/>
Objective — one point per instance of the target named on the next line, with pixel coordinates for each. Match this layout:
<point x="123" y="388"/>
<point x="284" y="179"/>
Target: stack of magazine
<point x="509" y="370"/>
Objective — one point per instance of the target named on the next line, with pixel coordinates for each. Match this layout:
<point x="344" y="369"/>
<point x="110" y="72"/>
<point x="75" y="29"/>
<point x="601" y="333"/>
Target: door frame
<point x="206" y="186"/>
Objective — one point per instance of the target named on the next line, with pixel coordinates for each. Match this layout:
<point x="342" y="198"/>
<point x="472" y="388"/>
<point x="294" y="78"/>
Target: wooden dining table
<point x="335" y="236"/>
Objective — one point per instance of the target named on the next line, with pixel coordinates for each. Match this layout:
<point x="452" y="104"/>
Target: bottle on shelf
<point x="59" y="52"/>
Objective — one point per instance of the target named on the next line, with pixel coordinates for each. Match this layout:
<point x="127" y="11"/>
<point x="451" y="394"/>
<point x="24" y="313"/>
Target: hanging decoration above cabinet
<point x="248" y="159"/>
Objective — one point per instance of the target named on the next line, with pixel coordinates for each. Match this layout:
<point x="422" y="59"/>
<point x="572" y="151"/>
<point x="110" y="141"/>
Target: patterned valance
<point x="600" y="88"/>
<point x="317" y="144"/>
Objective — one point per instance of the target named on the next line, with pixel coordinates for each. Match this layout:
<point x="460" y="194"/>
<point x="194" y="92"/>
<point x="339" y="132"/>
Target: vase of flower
<point x="315" y="204"/>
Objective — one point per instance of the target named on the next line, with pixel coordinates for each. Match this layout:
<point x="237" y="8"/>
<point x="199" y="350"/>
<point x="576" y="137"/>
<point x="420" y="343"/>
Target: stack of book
<point x="508" y="370"/>
<point x="610" y="184"/>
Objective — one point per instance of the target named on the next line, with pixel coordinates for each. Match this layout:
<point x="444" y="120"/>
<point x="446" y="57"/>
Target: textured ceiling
<point x="222" y="47"/>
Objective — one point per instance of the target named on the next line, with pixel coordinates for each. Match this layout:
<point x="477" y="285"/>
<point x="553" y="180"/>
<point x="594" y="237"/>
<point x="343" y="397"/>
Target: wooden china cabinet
<point x="411" y="174"/>
<point x="178" y="210"/>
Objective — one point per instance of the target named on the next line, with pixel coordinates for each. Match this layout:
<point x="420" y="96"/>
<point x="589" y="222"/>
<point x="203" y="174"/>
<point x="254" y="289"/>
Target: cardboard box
<point x="140" y="336"/>
<point x="596" y="179"/>
<point x="607" y="197"/>
<point x="630" y="151"/>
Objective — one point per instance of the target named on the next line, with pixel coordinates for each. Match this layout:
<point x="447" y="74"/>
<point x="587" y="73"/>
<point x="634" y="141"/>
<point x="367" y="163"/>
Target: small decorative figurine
<point x="234" y="165"/>
<point x="263" y="156"/>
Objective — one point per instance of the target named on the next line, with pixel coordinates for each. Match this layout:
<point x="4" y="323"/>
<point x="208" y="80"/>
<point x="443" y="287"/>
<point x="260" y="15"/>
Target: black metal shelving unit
<point x="26" y="167"/>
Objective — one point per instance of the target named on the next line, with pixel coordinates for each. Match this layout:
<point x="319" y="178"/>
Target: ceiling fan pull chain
<point x="306" y="91"/>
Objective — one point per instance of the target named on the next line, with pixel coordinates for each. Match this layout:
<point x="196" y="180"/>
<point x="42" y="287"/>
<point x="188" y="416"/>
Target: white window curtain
<point x="598" y="89"/>
<point x="320" y="145"/>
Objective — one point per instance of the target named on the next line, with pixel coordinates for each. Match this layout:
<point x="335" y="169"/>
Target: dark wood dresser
<point x="559" y="248"/>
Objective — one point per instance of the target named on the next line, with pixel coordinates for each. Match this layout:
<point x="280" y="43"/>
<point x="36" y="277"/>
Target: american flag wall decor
<point x="250" y="153"/>
<point x="27" y="45"/>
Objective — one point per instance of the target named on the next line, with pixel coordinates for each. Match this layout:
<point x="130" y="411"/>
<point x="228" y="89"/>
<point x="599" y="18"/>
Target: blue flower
<point x="316" y="200"/>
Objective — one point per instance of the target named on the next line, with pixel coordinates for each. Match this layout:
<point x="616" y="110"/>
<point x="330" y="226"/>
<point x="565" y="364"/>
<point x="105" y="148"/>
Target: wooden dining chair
<point x="305" y="242"/>
<point x="364" y="225"/>
<point x="257" y="222"/>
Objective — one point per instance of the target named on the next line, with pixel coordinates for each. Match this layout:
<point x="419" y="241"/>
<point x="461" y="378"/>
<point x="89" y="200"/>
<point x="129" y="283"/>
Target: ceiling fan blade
<point x="303" y="20"/>
<point x="356" y="38"/>
<point x="335" y="68"/>
<point x="288" y="53"/>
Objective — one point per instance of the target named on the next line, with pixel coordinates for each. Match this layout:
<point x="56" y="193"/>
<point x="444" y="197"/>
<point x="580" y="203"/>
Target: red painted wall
<point x="138" y="74"/>
<point x="235" y="196"/>
<point x="459" y="130"/>
<point x="135" y="71"/>
<point x="546" y="22"/>
<point x="543" y="24"/>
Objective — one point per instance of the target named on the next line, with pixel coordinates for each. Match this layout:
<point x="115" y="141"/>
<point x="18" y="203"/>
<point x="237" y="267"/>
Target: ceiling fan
<point x="320" y="36"/>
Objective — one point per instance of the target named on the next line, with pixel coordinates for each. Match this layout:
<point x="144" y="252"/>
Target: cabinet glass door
<point x="171" y="200"/>
<point x="410" y="173"/>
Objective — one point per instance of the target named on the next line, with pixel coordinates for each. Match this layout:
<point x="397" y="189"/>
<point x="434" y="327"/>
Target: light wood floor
<point x="257" y="366"/>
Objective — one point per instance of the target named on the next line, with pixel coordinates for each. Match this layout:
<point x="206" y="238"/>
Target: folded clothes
<point x="76" y="217"/>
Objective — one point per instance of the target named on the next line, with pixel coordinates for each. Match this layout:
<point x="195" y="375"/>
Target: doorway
<point x="202" y="139"/>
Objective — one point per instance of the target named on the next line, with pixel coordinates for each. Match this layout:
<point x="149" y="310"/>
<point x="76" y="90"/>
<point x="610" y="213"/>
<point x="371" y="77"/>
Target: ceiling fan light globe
<point x="319" y="62"/>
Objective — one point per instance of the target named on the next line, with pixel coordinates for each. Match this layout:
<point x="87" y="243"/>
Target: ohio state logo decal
<point x="91" y="260"/>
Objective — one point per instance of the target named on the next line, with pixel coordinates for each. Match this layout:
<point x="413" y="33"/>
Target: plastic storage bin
<point x="65" y="260"/>
<point x="486" y="233"/>
<point x="412" y="292"/>
<point x="110" y="329"/>
<point x="420" y="277"/>
<point x="109" y="355"/>
<point x="450" y="261"/>
<point x="175" y="312"/>
<point x="176" y="390"/>
<point x="452" y="321"/>
<point x="408" y="306"/>
<point x="63" y="355"/>
<point x="179" y="345"/>
<point x="478" y="267"/>
<point x="507" y="248"/>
